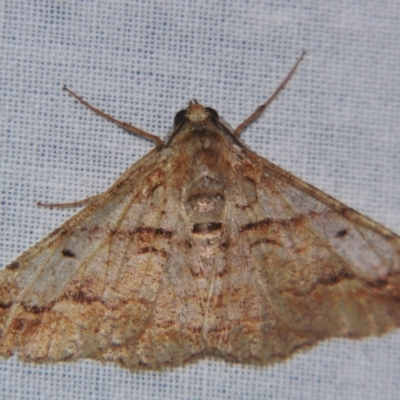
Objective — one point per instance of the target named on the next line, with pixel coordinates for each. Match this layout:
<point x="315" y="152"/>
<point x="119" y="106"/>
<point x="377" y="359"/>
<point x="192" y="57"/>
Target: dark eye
<point x="179" y="117"/>
<point x="212" y="113"/>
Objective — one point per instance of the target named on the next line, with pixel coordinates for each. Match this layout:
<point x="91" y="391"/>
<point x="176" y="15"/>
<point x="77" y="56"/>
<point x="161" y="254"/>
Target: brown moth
<point x="201" y="248"/>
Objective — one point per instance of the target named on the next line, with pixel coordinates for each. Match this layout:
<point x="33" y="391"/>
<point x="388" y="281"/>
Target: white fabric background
<point x="336" y="126"/>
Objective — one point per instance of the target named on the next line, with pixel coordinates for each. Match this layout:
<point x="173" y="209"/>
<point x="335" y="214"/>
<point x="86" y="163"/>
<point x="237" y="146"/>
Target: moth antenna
<point x="123" y="125"/>
<point x="263" y="106"/>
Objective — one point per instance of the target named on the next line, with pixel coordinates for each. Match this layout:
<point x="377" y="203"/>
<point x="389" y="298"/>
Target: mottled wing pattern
<point x="300" y="267"/>
<point x="201" y="248"/>
<point x="92" y="284"/>
<point x="173" y="333"/>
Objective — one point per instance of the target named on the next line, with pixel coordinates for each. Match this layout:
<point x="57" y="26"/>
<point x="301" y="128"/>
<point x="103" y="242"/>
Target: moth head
<point x="195" y="113"/>
<point x="197" y="121"/>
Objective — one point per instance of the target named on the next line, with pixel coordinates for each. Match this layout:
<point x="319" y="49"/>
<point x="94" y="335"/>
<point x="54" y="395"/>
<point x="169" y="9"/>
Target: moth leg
<point x="123" y="125"/>
<point x="78" y="203"/>
<point x="263" y="106"/>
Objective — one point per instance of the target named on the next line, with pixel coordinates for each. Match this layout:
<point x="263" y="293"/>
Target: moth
<point x="201" y="248"/>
